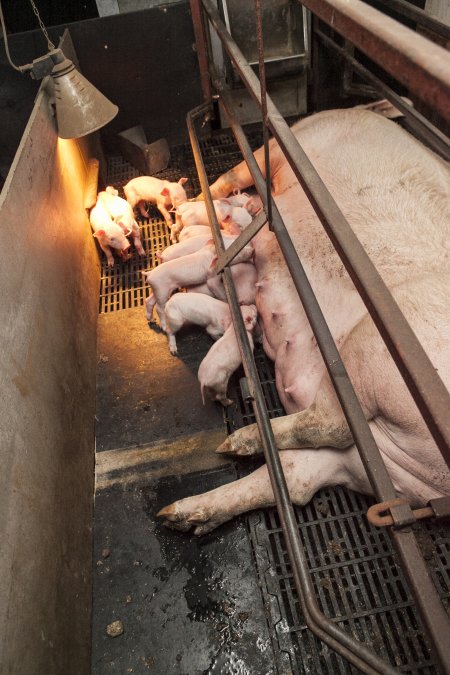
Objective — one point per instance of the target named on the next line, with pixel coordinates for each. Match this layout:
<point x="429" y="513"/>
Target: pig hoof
<point x="242" y="444"/>
<point x="171" y="518"/>
<point x="179" y="516"/>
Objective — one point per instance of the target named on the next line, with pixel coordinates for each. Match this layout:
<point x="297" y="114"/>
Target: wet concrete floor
<point x="185" y="605"/>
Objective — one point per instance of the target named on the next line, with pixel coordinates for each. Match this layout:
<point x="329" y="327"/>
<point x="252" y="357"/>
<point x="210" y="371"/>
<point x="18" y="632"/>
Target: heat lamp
<point x="80" y="108"/>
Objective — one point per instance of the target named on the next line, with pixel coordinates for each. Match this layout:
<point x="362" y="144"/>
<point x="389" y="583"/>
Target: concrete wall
<point x="48" y="309"/>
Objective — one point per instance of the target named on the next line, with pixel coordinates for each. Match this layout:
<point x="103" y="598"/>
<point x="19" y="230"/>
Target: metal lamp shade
<point x="80" y="107"/>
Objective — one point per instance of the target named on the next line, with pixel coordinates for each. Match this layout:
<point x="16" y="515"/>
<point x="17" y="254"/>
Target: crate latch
<point x="397" y="512"/>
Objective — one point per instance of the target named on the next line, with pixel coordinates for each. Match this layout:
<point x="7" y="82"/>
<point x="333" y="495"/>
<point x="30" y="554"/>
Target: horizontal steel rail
<point x="430" y="134"/>
<point x="411" y="59"/>
<point x="418" y="15"/>
<point x="355" y="652"/>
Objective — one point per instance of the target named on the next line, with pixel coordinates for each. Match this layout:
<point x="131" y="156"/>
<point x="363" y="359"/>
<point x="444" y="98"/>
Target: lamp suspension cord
<point x="5" y="37"/>
<point x="50" y="44"/>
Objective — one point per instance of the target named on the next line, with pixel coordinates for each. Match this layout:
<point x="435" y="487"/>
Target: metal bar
<point x="418" y="15"/>
<point x="263" y="91"/>
<point x="243" y="239"/>
<point x="425" y="385"/>
<point x="421" y="126"/>
<point x="201" y="47"/>
<point x="323" y="627"/>
<point x="413" y="60"/>
<point x="431" y="608"/>
<point x="375" y="517"/>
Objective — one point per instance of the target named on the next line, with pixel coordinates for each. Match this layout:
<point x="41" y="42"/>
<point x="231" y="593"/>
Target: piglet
<point x="194" y="213"/>
<point x="165" y="194"/>
<point x="194" y="231"/>
<point x="196" y="308"/>
<point x="185" y="247"/>
<point x="122" y="213"/>
<point x="232" y="218"/>
<point x="223" y="359"/>
<point x="190" y="245"/>
<point x="236" y="221"/>
<point x="200" y="288"/>
<point x="108" y="233"/>
<point x="165" y="279"/>
<point x="244" y="277"/>
<point x="190" y="270"/>
<point x="251" y="203"/>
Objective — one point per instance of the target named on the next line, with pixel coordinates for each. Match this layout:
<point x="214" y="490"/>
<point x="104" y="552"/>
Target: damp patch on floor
<point x="184" y="605"/>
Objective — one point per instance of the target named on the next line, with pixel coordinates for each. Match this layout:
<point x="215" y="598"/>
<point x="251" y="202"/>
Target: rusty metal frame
<point x="426" y="131"/>
<point x="413" y="60"/>
<point x="384" y="310"/>
<point x="419" y="16"/>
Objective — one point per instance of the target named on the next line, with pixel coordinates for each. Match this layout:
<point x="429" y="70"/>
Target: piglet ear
<point x="213" y="262"/>
<point x="182" y="181"/>
<point x="165" y="192"/>
<point x="99" y="233"/>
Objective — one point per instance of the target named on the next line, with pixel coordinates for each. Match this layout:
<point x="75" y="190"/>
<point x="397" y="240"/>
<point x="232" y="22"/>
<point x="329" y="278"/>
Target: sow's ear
<point x="165" y="192"/>
<point x="182" y="181"/>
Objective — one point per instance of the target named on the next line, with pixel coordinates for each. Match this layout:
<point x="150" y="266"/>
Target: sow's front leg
<point x="322" y="424"/>
<point x="305" y="472"/>
<point x="237" y="178"/>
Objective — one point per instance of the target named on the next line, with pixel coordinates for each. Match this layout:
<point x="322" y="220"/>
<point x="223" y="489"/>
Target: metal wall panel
<point x="48" y="310"/>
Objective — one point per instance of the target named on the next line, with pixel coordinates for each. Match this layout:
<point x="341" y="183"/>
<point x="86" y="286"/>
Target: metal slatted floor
<point x="354" y="568"/>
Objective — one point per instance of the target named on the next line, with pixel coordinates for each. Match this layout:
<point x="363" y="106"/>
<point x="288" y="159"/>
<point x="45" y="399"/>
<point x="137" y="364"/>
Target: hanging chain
<point x="43" y="28"/>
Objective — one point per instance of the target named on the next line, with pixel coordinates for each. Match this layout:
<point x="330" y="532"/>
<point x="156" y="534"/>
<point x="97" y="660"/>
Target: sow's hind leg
<point x="306" y="472"/>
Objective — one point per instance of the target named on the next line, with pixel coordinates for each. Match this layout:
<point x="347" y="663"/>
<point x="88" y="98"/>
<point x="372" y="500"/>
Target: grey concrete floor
<point x="186" y="605"/>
